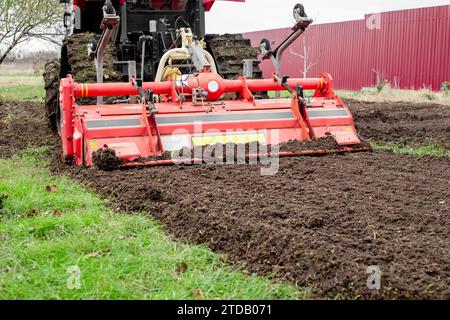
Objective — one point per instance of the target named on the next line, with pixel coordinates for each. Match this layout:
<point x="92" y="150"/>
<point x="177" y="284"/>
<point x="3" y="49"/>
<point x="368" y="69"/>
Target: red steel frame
<point x="144" y="139"/>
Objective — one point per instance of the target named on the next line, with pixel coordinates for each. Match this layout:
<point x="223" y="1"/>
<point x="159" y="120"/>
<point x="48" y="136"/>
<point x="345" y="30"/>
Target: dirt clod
<point x="3" y="198"/>
<point x="105" y="159"/>
<point x="31" y="213"/>
<point x="51" y="188"/>
<point x="57" y="213"/>
<point x="181" y="267"/>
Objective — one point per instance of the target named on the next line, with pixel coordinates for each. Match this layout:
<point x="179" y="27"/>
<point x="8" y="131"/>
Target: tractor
<point x="142" y="33"/>
<point x="139" y="81"/>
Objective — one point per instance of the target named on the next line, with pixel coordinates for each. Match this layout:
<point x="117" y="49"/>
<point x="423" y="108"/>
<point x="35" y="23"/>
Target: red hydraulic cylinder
<point x="118" y="89"/>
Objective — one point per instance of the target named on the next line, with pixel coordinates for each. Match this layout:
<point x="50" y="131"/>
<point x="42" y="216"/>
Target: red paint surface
<point x="410" y="50"/>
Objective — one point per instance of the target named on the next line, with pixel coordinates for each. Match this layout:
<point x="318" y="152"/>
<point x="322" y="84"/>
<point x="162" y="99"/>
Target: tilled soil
<point x="404" y="124"/>
<point x="23" y="125"/>
<point x="318" y="223"/>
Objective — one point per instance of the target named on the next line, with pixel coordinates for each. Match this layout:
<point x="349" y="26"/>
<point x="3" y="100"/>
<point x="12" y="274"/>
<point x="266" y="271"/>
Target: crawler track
<point x="74" y="60"/>
<point x="229" y="51"/>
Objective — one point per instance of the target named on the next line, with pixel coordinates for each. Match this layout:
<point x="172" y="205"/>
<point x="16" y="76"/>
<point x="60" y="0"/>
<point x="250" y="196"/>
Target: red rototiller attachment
<point x="190" y="115"/>
<point x="178" y="111"/>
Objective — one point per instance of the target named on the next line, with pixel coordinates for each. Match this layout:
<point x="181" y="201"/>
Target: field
<point x="20" y="81"/>
<point x="311" y="231"/>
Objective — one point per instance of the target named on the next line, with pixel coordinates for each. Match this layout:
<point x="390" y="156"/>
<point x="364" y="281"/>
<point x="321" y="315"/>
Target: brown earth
<point x="105" y="159"/>
<point x="23" y="125"/>
<point x="404" y="124"/>
<point x="319" y="223"/>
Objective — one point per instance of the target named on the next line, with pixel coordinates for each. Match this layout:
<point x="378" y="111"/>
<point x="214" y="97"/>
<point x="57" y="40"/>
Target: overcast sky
<point x="234" y="17"/>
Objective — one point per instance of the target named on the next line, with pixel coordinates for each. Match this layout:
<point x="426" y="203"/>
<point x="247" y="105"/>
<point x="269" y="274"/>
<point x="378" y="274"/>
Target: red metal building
<point x="408" y="48"/>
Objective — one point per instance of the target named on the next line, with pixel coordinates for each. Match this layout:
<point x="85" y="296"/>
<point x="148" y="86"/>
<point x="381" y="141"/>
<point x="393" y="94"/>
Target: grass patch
<point x="21" y="86"/>
<point x="429" y="149"/>
<point x="58" y="241"/>
<point x="284" y="94"/>
<point x="22" y="93"/>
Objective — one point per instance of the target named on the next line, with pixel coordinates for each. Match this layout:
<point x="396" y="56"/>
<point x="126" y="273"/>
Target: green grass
<point x="283" y="94"/>
<point x="429" y="149"/>
<point x="22" y="86"/>
<point x="22" y="93"/>
<point x="120" y="256"/>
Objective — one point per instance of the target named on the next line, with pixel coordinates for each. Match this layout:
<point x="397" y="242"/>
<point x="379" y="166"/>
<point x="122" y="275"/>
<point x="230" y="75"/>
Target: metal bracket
<point x="283" y="82"/>
<point x="248" y="67"/>
<point x="277" y="54"/>
<point x="199" y="96"/>
<point x="150" y="103"/>
<point x="109" y="23"/>
<point x="132" y="74"/>
<point x="143" y="42"/>
<point x="299" y="28"/>
<point x="198" y="57"/>
<point x="146" y="96"/>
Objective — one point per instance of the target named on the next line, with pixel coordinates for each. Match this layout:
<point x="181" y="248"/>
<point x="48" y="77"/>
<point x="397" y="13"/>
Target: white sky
<point x="235" y="17"/>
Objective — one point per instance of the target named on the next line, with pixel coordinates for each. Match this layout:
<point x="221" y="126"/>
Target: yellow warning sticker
<point x="347" y="128"/>
<point x="93" y="144"/>
<point x="228" y="138"/>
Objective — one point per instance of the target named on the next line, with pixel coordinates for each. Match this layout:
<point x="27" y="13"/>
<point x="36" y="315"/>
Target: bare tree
<point x="23" y="20"/>
<point x="307" y="64"/>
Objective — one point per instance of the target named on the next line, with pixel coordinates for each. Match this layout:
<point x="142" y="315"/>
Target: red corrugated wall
<point x="409" y="48"/>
